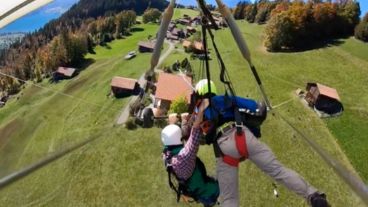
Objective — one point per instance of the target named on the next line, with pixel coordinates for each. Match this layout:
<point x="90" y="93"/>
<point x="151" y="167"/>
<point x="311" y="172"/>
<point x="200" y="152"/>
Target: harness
<point x="240" y="144"/>
<point x="200" y="187"/>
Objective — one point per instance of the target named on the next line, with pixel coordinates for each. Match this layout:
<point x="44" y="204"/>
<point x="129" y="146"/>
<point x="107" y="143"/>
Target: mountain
<point x="6" y="39"/>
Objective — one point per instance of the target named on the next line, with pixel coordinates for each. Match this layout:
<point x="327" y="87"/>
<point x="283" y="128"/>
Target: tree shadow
<point x="136" y="29"/>
<point x="107" y="46"/>
<point x="313" y="46"/>
<point x="85" y="64"/>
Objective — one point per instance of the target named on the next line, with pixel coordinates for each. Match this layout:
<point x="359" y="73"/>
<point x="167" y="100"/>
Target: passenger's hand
<point x="184" y="116"/>
<point x="199" y="117"/>
<point x="204" y="104"/>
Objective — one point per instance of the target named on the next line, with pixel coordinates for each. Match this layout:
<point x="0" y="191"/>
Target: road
<point x="142" y="82"/>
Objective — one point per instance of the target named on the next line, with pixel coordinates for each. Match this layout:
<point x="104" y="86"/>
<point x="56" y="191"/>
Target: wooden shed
<point x="64" y="73"/>
<point x="123" y="87"/>
<point x="323" y="99"/>
<point x="146" y="46"/>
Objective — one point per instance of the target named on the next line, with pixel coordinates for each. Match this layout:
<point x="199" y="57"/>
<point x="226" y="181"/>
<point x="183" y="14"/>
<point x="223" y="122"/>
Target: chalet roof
<point x="171" y="26"/>
<point x="170" y="87"/>
<point x="326" y="91"/>
<point x="150" y="45"/>
<point x="182" y="20"/>
<point x="187" y="43"/>
<point x="66" y="71"/>
<point x="172" y="36"/>
<point x="198" y="46"/>
<point x="125" y="83"/>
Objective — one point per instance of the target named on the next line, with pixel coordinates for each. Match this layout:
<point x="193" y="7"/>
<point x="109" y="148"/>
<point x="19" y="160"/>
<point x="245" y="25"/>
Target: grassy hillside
<point x="178" y="13"/>
<point x="124" y="168"/>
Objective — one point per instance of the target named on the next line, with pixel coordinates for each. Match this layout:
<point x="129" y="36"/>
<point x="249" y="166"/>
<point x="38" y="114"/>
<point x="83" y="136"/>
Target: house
<point x="191" y="30"/>
<point x="179" y="32"/>
<point x="324" y="100"/>
<point x="171" y="36"/>
<point x="146" y="46"/>
<point x="169" y="87"/>
<point x="183" y="21"/>
<point x="123" y="87"/>
<point x="198" y="47"/>
<point x="187" y="45"/>
<point x="172" y="25"/>
<point x="197" y="20"/>
<point x="64" y="73"/>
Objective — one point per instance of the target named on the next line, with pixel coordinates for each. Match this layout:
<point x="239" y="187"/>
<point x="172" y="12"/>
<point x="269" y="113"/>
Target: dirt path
<point x="142" y="82"/>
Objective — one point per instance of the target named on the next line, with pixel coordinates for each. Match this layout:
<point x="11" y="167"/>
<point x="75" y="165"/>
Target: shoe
<point x="318" y="200"/>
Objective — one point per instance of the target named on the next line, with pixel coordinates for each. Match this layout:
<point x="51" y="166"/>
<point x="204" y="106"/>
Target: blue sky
<point x="38" y="18"/>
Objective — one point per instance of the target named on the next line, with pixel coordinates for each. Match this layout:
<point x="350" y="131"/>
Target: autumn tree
<point x="151" y="15"/>
<point x="361" y="31"/>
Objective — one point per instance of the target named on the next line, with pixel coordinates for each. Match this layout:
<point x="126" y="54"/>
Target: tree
<point x="361" y="31"/>
<point x="151" y="15"/>
<point x="348" y="12"/>
<point x="180" y="105"/>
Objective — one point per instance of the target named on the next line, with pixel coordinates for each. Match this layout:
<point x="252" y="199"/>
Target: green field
<point x="124" y="168"/>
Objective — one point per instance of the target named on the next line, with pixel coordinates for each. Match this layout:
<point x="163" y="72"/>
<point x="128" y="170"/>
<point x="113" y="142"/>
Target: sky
<point x="40" y="17"/>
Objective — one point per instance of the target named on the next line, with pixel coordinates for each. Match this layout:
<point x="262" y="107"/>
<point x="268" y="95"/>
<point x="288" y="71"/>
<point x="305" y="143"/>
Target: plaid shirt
<point x="184" y="163"/>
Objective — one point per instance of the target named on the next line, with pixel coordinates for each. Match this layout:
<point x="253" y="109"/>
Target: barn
<point x="123" y="87"/>
<point x="146" y="46"/>
<point x="64" y="73"/>
<point x="323" y="99"/>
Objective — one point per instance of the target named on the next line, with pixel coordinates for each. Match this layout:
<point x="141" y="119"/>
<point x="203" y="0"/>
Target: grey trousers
<point x="261" y="155"/>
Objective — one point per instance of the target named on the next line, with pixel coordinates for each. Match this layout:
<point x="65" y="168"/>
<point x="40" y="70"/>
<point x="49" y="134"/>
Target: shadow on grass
<point x="85" y="64"/>
<point x="136" y="29"/>
<point x="313" y="46"/>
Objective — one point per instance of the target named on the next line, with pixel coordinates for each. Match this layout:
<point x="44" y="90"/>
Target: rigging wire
<point x="7" y="180"/>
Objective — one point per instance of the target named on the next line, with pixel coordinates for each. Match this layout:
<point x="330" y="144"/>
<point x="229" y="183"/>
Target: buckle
<point x="225" y="127"/>
<point x="239" y="125"/>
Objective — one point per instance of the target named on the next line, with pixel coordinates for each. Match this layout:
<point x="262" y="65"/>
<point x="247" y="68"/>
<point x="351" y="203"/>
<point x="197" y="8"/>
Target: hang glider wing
<point x="11" y="10"/>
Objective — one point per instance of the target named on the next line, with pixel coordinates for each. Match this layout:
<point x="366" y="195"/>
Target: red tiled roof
<point x="187" y="43"/>
<point x="171" y="87"/>
<point x="66" y="71"/>
<point x="327" y="91"/>
<point x="198" y="46"/>
<point x="125" y="83"/>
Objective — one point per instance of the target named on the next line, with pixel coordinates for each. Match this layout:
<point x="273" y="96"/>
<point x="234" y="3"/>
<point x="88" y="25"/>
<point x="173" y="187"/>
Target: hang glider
<point x="14" y="9"/>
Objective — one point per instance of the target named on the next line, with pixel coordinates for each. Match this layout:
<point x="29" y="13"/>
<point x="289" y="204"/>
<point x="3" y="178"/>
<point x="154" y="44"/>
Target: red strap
<point x="241" y="146"/>
<point x="230" y="160"/>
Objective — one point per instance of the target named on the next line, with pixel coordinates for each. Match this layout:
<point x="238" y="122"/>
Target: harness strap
<point x="241" y="146"/>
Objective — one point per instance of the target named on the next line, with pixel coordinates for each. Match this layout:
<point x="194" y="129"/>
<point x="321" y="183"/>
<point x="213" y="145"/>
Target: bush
<point x="179" y="106"/>
<point x="279" y="33"/>
<point x="361" y="31"/>
<point x="130" y="124"/>
<point x="151" y="15"/>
